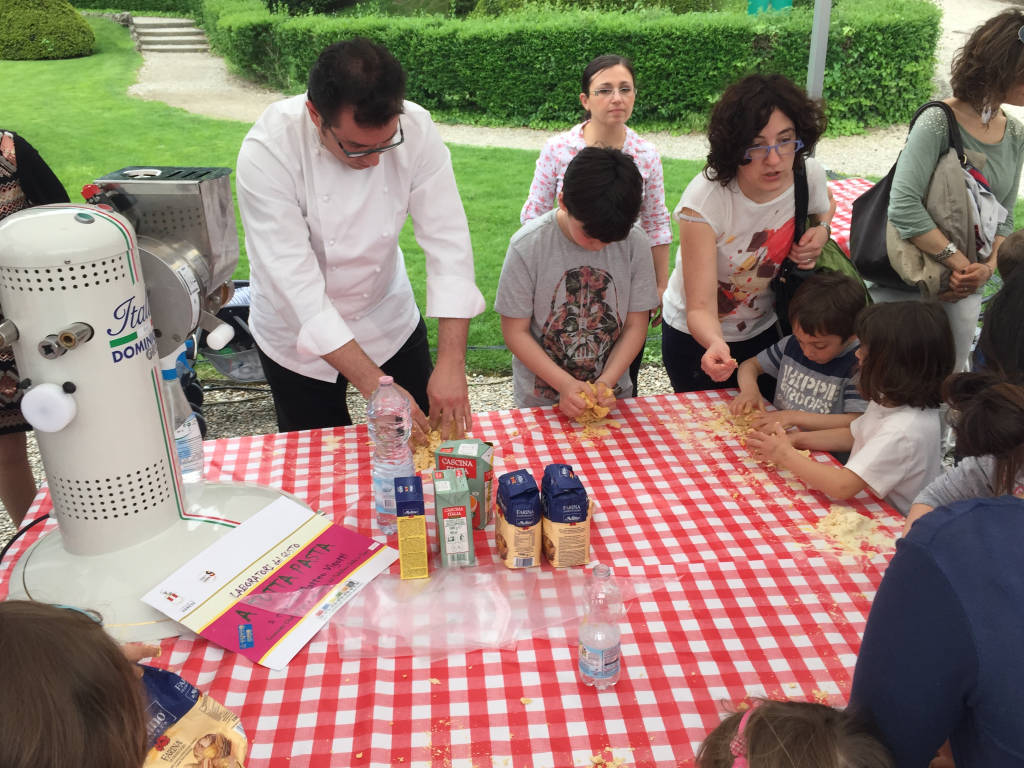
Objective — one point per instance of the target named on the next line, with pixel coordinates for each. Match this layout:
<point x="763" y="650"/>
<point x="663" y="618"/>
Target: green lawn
<point x="77" y="114"/>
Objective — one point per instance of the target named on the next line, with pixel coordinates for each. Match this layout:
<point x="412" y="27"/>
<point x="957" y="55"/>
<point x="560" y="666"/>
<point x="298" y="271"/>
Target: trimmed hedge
<point x="523" y="69"/>
<point x="43" y="29"/>
<point x="183" y="7"/>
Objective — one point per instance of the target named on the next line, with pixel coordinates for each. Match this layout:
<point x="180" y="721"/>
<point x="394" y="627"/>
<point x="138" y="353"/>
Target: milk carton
<point x="452" y="508"/>
<point x="517" y="528"/>
<point x="474" y="457"/>
<point x="566" y="517"/>
<point x="413" y="554"/>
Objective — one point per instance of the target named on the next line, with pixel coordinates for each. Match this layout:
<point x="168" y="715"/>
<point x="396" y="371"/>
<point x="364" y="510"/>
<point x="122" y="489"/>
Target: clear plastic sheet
<point x="456" y="610"/>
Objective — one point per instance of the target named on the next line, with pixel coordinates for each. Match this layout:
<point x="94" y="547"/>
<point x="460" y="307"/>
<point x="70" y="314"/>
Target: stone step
<point x="176" y="48"/>
<point x="173" y="40"/>
<point x="169" y="32"/>
<point x="145" y="22"/>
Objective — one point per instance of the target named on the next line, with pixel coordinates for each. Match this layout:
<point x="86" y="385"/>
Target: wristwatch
<point x="944" y="255"/>
<point x="828" y="228"/>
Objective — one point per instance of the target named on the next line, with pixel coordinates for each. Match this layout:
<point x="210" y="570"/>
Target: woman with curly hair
<point x="987" y="73"/>
<point x="736" y="226"/>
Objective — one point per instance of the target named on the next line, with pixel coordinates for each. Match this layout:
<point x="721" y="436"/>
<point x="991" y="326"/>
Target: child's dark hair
<point x="989" y="421"/>
<point x="1011" y="254"/>
<point x="794" y="734"/>
<point x="827" y="305"/>
<point x="908" y="353"/>
<point x="68" y="696"/>
<point x="1001" y="344"/>
<point x="603" y="190"/>
<point x="745" y="108"/>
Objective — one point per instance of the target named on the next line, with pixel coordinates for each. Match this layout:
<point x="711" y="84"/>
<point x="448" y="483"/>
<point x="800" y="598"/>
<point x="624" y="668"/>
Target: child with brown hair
<point x="816" y="366"/>
<point x="791" y="734"/>
<point x="906" y="352"/>
<point x="69" y="695"/>
<point x="1011" y="254"/>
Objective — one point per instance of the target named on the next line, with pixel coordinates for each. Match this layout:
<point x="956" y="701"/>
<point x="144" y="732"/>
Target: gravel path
<point x="201" y="83"/>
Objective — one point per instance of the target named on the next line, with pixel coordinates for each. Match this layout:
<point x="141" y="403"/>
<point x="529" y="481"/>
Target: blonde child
<point x="791" y="734"/>
<point x="906" y="352"/>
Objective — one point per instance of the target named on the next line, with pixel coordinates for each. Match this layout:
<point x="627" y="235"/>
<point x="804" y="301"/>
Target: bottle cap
<point x="385" y="380"/>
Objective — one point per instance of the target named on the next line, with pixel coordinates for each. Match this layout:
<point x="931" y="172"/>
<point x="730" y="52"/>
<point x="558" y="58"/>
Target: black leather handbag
<point x="870" y="215"/>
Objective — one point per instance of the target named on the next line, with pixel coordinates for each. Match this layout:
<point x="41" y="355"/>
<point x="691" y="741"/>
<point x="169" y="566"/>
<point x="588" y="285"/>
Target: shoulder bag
<point x="868" y="249"/>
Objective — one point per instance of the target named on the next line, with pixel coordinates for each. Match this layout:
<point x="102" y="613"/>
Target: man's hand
<point x="449" y="401"/>
<point x="718" y="362"/>
<point x="420" y="425"/>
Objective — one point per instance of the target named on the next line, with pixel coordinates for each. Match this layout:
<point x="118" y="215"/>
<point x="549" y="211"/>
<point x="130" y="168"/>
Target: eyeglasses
<point x="606" y="93"/>
<point x="1020" y="34"/>
<point x="782" y="149"/>
<point x="365" y="152"/>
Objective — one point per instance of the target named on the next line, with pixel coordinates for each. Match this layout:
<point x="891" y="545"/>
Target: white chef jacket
<point x="322" y="239"/>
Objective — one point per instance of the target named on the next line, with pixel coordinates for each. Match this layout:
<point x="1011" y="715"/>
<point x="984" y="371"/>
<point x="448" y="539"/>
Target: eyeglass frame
<point x="367" y="152"/>
<point x="1020" y="34"/>
<point x="607" y="93"/>
<point x="767" y="148"/>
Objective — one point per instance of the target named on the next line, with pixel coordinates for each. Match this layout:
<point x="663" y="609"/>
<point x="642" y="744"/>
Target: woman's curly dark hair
<point x="991" y="61"/>
<point x="745" y="109"/>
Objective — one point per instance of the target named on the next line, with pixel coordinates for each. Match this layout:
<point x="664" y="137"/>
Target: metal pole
<point x="819" y="47"/>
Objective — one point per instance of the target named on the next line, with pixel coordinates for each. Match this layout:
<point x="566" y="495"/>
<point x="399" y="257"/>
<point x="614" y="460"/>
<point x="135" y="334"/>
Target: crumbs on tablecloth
<point x="526" y="700"/>
<point x="610" y="761"/>
<point x="434" y="681"/>
<point x="848" y="530"/>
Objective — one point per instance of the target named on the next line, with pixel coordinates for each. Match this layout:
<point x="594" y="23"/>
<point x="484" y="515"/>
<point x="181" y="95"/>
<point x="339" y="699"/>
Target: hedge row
<point x="183" y="7"/>
<point x="523" y="69"/>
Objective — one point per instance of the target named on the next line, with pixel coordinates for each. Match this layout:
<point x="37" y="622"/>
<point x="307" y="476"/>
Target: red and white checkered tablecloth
<point x="845" y="191"/>
<point x="756" y="604"/>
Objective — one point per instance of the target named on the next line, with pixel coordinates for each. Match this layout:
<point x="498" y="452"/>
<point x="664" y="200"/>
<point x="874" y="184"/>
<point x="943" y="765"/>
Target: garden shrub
<point x="181" y="7"/>
<point x="523" y="68"/>
<point x="300" y="7"/>
<point x="43" y="29"/>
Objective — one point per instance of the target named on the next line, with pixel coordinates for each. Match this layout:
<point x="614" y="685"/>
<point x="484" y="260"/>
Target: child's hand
<point x="773" y="446"/>
<point x="570" y="397"/>
<point x="603" y="395"/>
<point x="784" y="419"/>
<point x="745" y="402"/>
<point x="718" y="362"/>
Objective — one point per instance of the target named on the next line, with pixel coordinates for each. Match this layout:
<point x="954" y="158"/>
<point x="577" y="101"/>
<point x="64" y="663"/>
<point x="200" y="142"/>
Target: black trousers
<point x="304" y="403"/>
<point x="681" y="354"/>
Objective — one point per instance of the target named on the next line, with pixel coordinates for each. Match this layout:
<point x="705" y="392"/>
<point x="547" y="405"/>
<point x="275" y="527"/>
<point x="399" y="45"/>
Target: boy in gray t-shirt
<point x="577" y="287"/>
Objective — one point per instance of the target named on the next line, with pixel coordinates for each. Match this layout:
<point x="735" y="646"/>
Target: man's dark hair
<point x="360" y="74"/>
<point x="603" y="189"/>
<point x="745" y="109"/>
<point x="908" y="353"/>
<point x="827" y="305"/>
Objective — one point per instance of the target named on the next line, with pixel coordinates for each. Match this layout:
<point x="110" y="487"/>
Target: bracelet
<point x="946" y="253"/>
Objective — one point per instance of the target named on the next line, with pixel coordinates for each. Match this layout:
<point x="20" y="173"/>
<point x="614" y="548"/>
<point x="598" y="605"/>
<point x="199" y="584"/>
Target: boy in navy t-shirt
<point x="816" y="367"/>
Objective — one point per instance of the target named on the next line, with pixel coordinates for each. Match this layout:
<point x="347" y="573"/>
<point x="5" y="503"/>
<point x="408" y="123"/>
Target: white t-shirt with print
<point x="897" y="451"/>
<point x="752" y="239"/>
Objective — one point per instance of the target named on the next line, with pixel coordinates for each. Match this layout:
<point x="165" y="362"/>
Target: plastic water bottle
<point x="600" y="643"/>
<point x="188" y="438"/>
<point x="389" y="417"/>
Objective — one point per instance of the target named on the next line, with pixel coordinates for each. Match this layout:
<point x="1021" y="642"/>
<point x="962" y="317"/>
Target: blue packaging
<point x="563" y="497"/>
<point x="409" y="496"/>
<point x="519" y="498"/>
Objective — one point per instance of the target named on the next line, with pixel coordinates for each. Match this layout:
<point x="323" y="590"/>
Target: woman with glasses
<point x="608" y="92"/>
<point x="736" y="226"/>
<point x="987" y="73"/>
